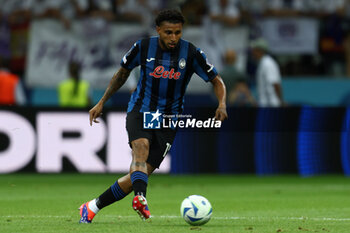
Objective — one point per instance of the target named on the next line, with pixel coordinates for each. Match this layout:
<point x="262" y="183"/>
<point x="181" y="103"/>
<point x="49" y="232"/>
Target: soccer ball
<point x="196" y="210"/>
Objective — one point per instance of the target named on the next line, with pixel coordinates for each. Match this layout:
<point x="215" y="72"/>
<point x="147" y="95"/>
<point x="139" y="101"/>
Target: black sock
<point x="139" y="182"/>
<point x="139" y="187"/>
<point x="111" y="195"/>
<point x="105" y="199"/>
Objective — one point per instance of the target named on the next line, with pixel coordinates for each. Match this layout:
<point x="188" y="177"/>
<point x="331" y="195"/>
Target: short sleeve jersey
<point x="164" y="74"/>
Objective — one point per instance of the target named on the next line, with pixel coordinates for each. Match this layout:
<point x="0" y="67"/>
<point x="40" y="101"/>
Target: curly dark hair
<point x="171" y="16"/>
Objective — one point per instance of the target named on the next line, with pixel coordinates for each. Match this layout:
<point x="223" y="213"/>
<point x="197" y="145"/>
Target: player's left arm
<point x="220" y="92"/>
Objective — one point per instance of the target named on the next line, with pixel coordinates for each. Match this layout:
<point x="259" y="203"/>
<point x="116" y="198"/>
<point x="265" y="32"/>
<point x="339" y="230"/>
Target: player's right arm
<point x="130" y="60"/>
<point x="118" y="80"/>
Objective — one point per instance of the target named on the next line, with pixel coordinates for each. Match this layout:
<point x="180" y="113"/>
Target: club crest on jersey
<point x="160" y="71"/>
<point x="182" y="63"/>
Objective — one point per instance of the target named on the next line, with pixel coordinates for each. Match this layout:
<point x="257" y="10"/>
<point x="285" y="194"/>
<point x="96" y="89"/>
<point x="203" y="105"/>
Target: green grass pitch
<point x="49" y="203"/>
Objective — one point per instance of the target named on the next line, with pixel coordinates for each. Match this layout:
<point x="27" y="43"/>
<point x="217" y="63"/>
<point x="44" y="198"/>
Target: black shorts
<point x="160" y="139"/>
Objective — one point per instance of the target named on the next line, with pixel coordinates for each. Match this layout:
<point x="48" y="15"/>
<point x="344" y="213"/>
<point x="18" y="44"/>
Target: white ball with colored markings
<point x="196" y="210"/>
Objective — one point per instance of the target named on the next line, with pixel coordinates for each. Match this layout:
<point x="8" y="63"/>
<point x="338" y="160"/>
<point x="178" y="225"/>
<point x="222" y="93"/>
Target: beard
<point x="164" y="45"/>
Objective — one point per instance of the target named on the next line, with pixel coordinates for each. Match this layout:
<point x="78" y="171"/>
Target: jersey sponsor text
<point x="160" y="71"/>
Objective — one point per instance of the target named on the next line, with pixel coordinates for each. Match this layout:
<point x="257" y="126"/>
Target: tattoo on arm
<point x="118" y="80"/>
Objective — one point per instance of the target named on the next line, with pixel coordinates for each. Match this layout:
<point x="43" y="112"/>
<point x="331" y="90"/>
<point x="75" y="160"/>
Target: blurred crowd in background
<point x="331" y="60"/>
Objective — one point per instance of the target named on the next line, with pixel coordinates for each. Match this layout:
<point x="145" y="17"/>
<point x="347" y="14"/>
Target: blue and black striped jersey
<point x="164" y="74"/>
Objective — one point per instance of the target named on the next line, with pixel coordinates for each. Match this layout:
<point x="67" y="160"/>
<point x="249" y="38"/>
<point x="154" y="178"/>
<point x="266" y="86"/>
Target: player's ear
<point x="158" y="29"/>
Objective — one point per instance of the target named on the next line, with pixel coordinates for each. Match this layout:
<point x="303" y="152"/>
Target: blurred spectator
<point x="268" y="76"/>
<point x="283" y="8"/>
<point x="193" y="11"/>
<point x="236" y="82"/>
<point x="321" y="8"/>
<point x="15" y="20"/>
<point x="138" y="11"/>
<point x="11" y="89"/>
<point x="332" y="37"/>
<point x="74" y="92"/>
<point x="16" y="11"/>
<point x="63" y="10"/>
<point x="255" y="7"/>
<point x="222" y="13"/>
<point x="4" y="36"/>
<point x="252" y="10"/>
<point x="126" y="11"/>
<point x="97" y="9"/>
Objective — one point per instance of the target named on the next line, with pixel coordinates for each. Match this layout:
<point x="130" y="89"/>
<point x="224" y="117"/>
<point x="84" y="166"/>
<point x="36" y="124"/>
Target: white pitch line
<point x="169" y="216"/>
<point x="269" y="218"/>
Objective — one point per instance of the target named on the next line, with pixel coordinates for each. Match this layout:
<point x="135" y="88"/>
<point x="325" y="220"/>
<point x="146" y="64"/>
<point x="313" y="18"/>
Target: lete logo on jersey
<point x="160" y="71"/>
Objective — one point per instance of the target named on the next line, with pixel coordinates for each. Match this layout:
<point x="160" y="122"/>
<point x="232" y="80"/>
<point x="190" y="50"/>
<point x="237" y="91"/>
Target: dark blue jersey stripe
<point x="149" y="63"/>
<point x="183" y="67"/>
<point x="156" y="81"/>
<point x="188" y="73"/>
<point x="164" y="82"/>
<point x="171" y="88"/>
<point x="138" y="95"/>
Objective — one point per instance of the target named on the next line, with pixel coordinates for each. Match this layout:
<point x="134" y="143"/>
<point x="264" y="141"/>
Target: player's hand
<point x="95" y="112"/>
<point x="221" y="113"/>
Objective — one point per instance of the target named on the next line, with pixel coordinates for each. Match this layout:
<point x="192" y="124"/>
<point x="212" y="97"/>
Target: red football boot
<point x="139" y="204"/>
